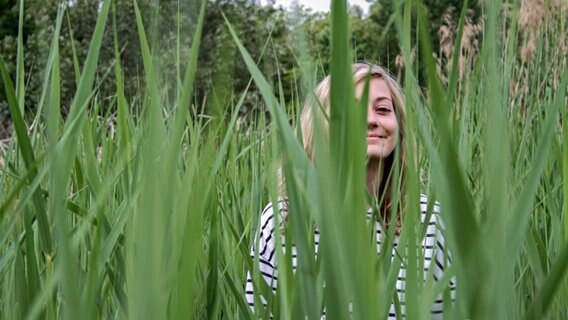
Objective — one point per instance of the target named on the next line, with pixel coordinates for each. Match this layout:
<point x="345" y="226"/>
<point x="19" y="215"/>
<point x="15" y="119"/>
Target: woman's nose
<point x="372" y="119"/>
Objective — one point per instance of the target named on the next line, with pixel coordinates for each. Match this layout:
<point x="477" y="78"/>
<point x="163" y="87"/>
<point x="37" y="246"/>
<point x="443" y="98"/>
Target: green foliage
<point x="132" y="205"/>
<point x="265" y="30"/>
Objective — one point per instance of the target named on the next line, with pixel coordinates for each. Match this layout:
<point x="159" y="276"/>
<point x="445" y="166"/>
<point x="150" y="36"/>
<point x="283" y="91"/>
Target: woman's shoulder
<point x="430" y="209"/>
<point x="267" y="217"/>
<point x="425" y="202"/>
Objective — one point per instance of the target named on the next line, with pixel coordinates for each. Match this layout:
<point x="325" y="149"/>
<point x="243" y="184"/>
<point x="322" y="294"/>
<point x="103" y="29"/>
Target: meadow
<point x="149" y="210"/>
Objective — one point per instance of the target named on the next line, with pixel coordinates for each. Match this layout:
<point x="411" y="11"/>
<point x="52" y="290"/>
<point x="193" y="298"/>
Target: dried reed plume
<point x="540" y="25"/>
<point x="447" y="34"/>
<point x="532" y="15"/>
<point x="469" y="46"/>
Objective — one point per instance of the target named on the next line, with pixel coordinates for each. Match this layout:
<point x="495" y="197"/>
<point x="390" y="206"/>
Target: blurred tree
<point x="222" y="71"/>
<point x="169" y="24"/>
<point x="78" y="24"/>
<point x="9" y="19"/>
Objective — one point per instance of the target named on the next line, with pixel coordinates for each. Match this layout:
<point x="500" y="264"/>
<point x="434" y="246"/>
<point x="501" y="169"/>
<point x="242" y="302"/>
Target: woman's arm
<point x="263" y="246"/>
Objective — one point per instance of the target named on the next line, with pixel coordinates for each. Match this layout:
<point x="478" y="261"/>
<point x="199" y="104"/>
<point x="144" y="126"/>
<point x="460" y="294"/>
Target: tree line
<point x="269" y="32"/>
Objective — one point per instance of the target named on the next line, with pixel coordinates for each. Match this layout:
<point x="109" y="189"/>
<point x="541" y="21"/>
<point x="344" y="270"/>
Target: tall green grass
<point x="153" y="215"/>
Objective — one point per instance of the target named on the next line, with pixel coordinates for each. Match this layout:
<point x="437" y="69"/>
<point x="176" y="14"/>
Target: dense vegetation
<point x="147" y="137"/>
<point x="221" y="68"/>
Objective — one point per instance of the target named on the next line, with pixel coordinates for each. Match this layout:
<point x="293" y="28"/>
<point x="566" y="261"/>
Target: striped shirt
<point x="432" y="245"/>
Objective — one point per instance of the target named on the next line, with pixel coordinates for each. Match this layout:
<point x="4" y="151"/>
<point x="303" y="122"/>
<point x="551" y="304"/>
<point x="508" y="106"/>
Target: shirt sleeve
<point x="442" y="261"/>
<point x="264" y="246"/>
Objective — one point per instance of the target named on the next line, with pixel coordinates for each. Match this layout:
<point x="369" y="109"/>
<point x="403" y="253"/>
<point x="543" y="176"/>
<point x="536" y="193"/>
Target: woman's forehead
<point x="378" y="88"/>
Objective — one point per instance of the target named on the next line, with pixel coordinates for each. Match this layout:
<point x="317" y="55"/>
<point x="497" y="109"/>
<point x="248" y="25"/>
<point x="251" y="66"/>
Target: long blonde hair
<point x="321" y="92"/>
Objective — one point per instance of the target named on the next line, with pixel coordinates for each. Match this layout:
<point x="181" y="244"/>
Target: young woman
<point x="386" y="132"/>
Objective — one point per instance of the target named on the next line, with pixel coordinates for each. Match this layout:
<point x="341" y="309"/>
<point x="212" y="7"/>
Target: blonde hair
<point x="321" y="92"/>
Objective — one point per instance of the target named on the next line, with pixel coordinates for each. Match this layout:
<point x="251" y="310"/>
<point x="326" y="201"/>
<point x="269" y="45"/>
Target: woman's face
<point x="382" y="125"/>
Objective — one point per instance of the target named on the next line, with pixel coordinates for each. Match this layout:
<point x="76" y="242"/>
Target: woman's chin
<point x="377" y="153"/>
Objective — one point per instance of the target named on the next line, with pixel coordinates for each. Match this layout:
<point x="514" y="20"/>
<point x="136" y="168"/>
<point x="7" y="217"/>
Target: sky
<point x="320" y="5"/>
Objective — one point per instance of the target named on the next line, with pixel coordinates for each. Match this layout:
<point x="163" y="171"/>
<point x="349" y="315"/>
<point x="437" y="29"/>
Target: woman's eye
<point x="382" y="109"/>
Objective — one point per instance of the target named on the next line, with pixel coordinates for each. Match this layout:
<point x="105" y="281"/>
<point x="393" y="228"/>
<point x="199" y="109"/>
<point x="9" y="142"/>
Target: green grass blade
<point x="458" y="213"/>
<point x="50" y="60"/>
<point x="28" y="156"/>
<point x="565" y="171"/>
<point x="189" y="76"/>
<point x="85" y="86"/>
<point x="518" y="224"/>
<point x="76" y="67"/>
<point x="61" y="170"/>
<point x="552" y="284"/>
<point x="20" y="76"/>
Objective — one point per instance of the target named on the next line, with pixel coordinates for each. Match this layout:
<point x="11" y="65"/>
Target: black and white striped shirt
<point x="432" y="245"/>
